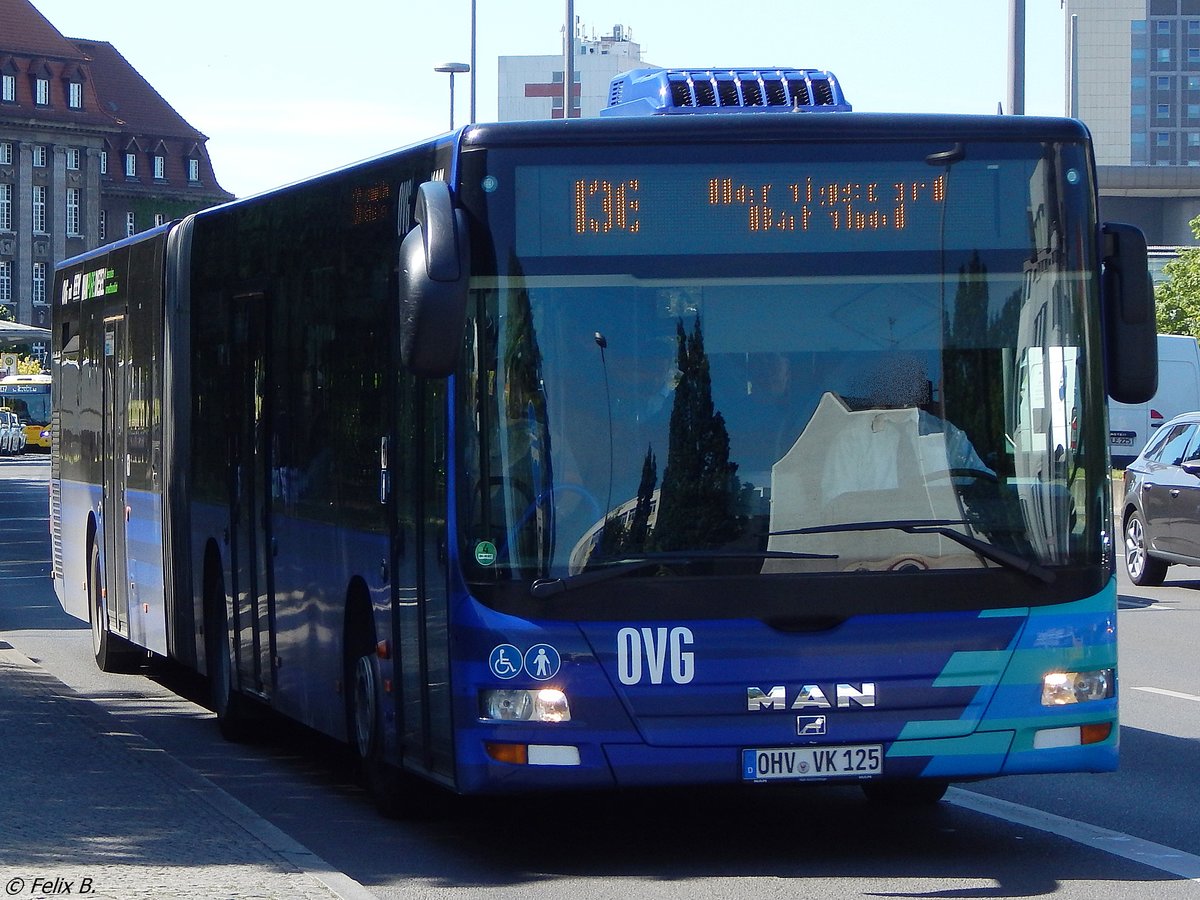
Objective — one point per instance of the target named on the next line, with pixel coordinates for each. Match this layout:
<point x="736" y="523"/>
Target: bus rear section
<point x="107" y="472"/>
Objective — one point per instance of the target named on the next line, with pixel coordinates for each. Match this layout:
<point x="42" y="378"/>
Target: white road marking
<point x="1148" y="853"/>
<point x="1178" y="695"/>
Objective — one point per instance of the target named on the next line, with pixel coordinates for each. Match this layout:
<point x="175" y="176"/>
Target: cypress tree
<point x="698" y="503"/>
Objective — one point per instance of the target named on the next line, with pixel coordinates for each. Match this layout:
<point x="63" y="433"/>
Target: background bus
<point x="537" y="456"/>
<point x="29" y="396"/>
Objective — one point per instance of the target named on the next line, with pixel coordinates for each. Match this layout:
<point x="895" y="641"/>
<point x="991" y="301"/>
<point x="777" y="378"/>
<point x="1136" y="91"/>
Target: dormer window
<point x="41" y="91"/>
<point x="131" y="165"/>
<point x="193" y="170"/>
<point x="74" y="95"/>
<point x="103" y="162"/>
<point x="8" y="88"/>
<point x="160" y="168"/>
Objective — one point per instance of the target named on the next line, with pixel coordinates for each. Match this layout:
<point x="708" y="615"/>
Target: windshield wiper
<point x="940" y="527"/>
<point x="548" y="587"/>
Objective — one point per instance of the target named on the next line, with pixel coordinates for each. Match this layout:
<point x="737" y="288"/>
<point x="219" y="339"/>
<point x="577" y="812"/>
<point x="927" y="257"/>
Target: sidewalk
<point x="89" y="809"/>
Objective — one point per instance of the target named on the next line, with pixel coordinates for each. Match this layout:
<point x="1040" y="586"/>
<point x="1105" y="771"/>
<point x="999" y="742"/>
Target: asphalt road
<point x="1131" y="834"/>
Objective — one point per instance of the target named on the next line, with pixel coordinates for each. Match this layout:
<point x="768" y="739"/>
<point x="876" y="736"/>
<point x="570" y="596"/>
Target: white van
<point x="1131" y="426"/>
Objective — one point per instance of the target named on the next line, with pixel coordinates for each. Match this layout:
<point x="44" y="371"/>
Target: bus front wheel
<point x="364" y="694"/>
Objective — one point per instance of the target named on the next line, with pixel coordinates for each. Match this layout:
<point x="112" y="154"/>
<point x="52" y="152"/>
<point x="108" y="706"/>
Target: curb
<point x="290" y="857"/>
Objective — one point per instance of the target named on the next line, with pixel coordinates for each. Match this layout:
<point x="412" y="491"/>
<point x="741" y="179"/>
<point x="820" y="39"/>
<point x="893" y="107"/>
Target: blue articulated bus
<point x="730" y="437"/>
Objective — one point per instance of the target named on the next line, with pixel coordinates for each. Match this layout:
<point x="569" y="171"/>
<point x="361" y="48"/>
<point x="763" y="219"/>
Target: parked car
<point x="22" y="438"/>
<point x="12" y="435"/>
<point x="1160" y="516"/>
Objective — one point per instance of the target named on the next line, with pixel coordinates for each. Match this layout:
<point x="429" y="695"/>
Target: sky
<point x="283" y="94"/>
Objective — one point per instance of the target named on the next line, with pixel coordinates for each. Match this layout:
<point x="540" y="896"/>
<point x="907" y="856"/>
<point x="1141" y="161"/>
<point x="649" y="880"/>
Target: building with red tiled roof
<point x="89" y="153"/>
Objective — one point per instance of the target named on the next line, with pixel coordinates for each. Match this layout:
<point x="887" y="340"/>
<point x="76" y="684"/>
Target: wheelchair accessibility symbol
<point x="505" y="661"/>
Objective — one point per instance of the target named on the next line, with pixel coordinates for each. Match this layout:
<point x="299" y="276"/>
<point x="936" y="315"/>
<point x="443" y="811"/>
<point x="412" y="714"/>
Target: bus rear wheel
<point x="113" y="653"/>
<point x="236" y="717"/>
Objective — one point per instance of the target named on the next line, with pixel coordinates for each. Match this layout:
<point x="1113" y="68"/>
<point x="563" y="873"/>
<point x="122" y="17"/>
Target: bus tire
<point x="910" y="793"/>
<point x="365" y="718"/>
<point x="235" y="714"/>
<point x="113" y="653"/>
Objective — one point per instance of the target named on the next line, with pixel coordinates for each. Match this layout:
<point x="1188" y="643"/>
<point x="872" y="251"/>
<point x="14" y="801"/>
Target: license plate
<point x="1121" y="438"/>
<point x="783" y="763"/>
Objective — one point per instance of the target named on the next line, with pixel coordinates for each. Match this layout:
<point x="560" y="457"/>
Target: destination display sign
<point x="622" y="209"/>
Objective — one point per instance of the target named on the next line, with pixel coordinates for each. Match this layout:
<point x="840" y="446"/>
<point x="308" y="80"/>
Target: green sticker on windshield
<point x="485" y="553"/>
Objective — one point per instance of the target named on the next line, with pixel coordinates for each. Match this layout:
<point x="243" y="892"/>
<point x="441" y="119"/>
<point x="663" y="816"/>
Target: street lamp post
<point x="452" y="69"/>
<point x="1016" y="57"/>
<point x="569" y="60"/>
<point x="472" y="62"/>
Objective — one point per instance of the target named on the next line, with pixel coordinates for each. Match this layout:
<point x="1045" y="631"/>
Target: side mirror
<point x="434" y="272"/>
<point x="1130" y="327"/>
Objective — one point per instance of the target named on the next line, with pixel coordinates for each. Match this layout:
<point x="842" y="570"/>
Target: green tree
<point x="618" y="539"/>
<point x="1178" y="298"/>
<point x="528" y="427"/>
<point x="700" y="489"/>
<point x="972" y="372"/>
<point x="639" y="526"/>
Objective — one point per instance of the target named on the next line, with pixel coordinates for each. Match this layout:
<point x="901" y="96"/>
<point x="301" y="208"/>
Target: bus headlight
<point x="542" y="705"/>
<point x="1062" y="688"/>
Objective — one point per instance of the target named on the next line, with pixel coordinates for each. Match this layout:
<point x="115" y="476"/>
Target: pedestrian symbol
<point x="542" y="662"/>
<point x="505" y="661"/>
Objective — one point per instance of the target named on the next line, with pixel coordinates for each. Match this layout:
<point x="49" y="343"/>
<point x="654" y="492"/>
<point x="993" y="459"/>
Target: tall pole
<point x="1073" y="99"/>
<point x="473" y="33"/>
<point x="1016" y="57"/>
<point x="569" y="59"/>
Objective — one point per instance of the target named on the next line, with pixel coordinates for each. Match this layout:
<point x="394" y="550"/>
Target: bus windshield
<point x="856" y="358"/>
<point x="28" y="397"/>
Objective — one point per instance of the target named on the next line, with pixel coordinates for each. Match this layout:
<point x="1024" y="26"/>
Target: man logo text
<point x="812" y="696"/>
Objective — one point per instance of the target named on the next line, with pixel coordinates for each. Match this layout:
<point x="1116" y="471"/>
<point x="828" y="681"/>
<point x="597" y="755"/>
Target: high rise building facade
<point x="1134" y="80"/>
<point x="89" y="153"/>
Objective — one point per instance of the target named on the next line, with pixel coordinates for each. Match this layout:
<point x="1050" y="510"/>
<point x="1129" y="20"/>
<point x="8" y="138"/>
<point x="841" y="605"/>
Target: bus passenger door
<point x="250" y="538"/>
<point x="115" y="468"/>
<point x="429" y="453"/>
<point x="421" y="599"/>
